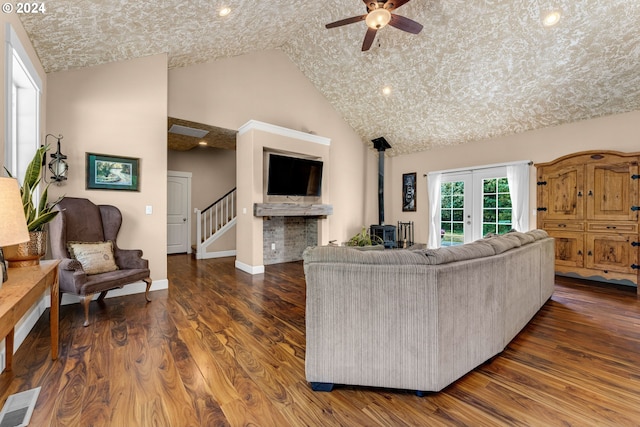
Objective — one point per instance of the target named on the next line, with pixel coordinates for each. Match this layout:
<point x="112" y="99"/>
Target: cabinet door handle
<point x="589" y="253"/>
<point x="579" y="193"/>
<point x="580" y="253"/>
<point x="590" y="193"/>
<point x="611" y="227"/>
<point x="562" y="225"/>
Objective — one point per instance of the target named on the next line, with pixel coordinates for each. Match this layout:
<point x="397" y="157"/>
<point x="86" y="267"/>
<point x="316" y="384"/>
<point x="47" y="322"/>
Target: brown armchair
<point x="80" y="220"/>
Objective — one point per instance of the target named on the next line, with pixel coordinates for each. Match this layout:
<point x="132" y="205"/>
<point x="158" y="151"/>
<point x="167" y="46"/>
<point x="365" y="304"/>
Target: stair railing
<point x="214" y="220"/>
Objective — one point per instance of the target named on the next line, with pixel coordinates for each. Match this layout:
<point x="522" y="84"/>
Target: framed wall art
<point x="409" y="192"/>
<point x="107" y="172"/>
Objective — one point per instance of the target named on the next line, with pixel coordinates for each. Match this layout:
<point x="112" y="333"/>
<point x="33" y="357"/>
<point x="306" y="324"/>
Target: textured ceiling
<point x="478" y="69"/>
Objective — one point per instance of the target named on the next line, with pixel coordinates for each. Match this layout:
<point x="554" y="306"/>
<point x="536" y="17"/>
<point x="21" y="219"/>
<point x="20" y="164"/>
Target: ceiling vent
<point x="18" y="408"/>
<point x="187" y="131"/>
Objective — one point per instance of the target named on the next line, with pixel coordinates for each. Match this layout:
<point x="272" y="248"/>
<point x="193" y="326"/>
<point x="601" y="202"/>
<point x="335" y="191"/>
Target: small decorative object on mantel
<point x="37" y="215"/>
<point x="409" y="192"/>
<point x="106" y="172"/>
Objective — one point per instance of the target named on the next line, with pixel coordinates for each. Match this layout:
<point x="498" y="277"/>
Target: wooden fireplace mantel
<point x="291" y="209"/>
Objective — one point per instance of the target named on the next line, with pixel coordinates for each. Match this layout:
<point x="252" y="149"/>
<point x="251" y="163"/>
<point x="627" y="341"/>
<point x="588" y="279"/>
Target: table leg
<point x="54" y="315"/>
<point x="8" y="347"/>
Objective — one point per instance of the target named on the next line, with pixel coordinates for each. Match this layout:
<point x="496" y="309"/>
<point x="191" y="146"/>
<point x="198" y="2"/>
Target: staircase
<point x="213" y="222"/>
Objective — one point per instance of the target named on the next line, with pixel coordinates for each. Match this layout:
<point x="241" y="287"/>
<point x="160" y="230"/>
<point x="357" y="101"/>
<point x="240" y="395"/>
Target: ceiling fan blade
<point x="405" y="24"/>
<point x="346" y="21"/>
<point x="394" y="4"/>
<point x="368" y="38"/>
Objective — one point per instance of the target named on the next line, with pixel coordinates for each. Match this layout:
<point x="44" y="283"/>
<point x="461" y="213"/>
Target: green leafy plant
<point x="36" y="215"/>
<point x="363" y="238"/>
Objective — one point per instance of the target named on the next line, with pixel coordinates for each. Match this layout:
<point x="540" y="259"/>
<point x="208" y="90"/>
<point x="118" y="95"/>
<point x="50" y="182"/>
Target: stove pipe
<point x="381" y="145"/>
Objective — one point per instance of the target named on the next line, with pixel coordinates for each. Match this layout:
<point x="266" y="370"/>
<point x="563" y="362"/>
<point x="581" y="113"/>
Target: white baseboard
<point x="251" y="269"/>
<point x="219" y="254"/>
<point x="29" y="320"/>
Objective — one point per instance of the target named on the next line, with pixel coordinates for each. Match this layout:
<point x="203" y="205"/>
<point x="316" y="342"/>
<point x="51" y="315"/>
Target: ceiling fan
<point x="378" y="15"/>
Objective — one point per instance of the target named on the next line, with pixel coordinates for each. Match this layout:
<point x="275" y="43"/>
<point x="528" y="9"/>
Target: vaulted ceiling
<point x="479" y="68"/>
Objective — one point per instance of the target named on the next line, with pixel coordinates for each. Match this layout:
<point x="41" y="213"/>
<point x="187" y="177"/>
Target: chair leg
<point x="102" y="295"/>
<point x="85" y="300"/>
<point x="146" y="293"/>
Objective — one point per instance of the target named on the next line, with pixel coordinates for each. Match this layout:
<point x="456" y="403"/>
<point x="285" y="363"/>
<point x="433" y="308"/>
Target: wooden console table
<point x="25" y="287"/>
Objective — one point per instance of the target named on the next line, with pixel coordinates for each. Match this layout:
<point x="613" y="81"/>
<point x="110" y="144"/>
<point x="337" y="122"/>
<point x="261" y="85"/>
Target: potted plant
<point x="365" y="239"/>
<point x="36" y="215"/>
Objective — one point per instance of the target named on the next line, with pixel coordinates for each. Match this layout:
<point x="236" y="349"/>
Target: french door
<point x="455" y="209"/>
<point x="474" y="204"/>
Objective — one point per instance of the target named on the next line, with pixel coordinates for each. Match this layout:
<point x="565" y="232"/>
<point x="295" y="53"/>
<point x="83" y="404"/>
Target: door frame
<point x="188" y="176"/>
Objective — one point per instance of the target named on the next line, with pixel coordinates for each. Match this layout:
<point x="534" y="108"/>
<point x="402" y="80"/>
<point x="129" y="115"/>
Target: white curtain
<point x="433" y="186"/>
<point x="518" y="178"/>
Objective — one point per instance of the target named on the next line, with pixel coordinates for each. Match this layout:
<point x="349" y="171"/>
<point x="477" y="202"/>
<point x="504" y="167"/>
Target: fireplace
<point x="386" y="232"/>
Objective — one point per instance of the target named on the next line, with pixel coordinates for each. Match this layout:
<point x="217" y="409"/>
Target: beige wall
<point x="118" y="109"/>
<point x="213" y="175"/>
<point x="266" y="86"/>
<point x="618" y="132"/>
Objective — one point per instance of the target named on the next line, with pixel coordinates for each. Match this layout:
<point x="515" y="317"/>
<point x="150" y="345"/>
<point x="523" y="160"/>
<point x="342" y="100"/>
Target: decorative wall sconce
<point x="57" y="166"/>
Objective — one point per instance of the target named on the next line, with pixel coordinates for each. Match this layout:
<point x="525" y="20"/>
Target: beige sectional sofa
<point x="420" y="319"/>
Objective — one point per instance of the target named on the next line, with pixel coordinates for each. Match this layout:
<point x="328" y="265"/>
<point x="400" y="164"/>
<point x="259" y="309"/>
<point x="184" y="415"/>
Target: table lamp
<point x="13" y="225"/>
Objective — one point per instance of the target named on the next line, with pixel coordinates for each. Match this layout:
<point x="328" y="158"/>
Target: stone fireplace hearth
<point x="285" y="238"/>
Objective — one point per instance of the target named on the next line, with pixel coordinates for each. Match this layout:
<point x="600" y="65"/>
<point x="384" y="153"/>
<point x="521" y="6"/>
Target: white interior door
<point x="178" y="208"/>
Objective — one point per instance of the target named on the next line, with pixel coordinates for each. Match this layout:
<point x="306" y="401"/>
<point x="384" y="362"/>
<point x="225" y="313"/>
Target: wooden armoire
<point x="588" y="201"/>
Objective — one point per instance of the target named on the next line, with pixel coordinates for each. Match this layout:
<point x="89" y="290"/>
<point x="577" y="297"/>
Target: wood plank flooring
<point x="223" y="348"/>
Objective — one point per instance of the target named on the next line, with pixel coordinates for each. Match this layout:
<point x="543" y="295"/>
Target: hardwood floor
<point x="221" y="347"/>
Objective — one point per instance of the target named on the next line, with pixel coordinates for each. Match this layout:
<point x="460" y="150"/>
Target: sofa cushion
<point x="502" y="243"/>
<point x="538" y="234"/>
<point x="447" y="254"/>
<point x="95" y="257"/>
<point x="346" y="255"/>
<point x="523" y="237"/>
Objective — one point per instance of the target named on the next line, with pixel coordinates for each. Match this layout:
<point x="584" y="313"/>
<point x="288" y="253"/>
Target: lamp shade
<point x="13" y="225"/>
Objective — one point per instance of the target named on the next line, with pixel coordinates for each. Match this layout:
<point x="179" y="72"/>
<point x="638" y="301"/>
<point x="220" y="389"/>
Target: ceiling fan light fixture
<point x="378" y="18"/>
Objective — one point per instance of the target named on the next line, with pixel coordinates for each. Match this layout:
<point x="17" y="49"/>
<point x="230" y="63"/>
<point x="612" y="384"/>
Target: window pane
<point x="488" y="228"/>
<point x="504" y="200"/>
<point x="504" y="216"/>
<point x="503" y="185"/>
<point x="446" y="202"/>
<point x="458" y="188"/>
<point x="445" y="215"/>
<point x="489" y="186"/>
<point x="489" y="201"/>
<point x="504" y="228"/>
<point x="458" y="214"/>
<point x="489" y="215"/>
<point x="458" y="202"/>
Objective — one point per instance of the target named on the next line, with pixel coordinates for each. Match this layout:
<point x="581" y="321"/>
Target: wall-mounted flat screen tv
<point x="293" y="176"/>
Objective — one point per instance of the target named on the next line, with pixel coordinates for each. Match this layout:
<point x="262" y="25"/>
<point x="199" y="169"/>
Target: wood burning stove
<point x="386" y="232"/>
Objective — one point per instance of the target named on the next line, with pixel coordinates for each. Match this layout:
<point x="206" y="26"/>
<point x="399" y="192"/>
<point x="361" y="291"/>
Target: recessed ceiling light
<point x="202" y="143"/>
<point x="551" y="18"/>
<point x="386" y="90"/>
<point x="224" y="11"/>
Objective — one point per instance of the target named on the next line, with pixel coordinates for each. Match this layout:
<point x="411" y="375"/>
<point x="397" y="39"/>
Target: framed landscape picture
<point x="106" y="172"/>
<point x="409" y="192"/>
